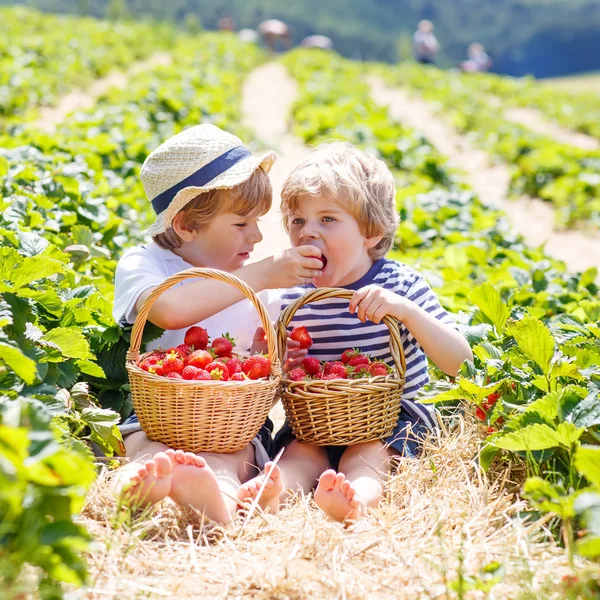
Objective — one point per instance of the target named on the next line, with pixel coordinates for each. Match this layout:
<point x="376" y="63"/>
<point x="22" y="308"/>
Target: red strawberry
<point x="223" y="346"/>
<point x="300" y="334"/>
<point x="183" y="350"/>
<point x="199" y="358"/>
<point x="218" y="370"/>
<point x="148" y="362"/>
<point x="257" y="366"/>
<point x="157" y="369"/>
<point x="202" y="375"/>
<point x="172" y="363"/>
<point x="311" y="365"/>
<point x="190" y="372"/>
<point x="234" y="365"/>
<point x="197" y="337"/>
<point x="358" y="360"/>
<point x="348" y="354"/>
<point x="491" y="400"/>
<point x="329" y="377"/>
<point x="174" y="375"/>
<point x="490" y="430"/>
<point x="336" y="368"/>
<point x="379" y="368"/>
<point x="480" y="413"/>
<point x="160" y="354"/>
<point x="296" y="374"/>
<point x="238" y="376"/>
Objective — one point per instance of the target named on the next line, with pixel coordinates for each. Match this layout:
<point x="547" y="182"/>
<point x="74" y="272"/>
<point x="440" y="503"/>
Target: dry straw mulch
<point x="442" y="524"/>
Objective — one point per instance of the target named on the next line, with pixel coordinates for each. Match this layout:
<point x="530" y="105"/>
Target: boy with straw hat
<point x="208" y="192"/>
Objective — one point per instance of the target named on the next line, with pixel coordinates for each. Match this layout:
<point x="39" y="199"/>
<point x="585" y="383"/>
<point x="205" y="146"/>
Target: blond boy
<point x="342" y="201"/>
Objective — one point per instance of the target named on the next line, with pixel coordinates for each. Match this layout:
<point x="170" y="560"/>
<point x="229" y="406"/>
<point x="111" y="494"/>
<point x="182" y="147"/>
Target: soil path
<point x="532" y="218"/>
<point x="535" y="121"/>
<point x="266" y="103"/>
<point x="50" y="117"/>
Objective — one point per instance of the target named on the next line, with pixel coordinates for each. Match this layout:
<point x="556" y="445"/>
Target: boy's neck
<point x="357" y="273"/>
<point x="189" y="256"/>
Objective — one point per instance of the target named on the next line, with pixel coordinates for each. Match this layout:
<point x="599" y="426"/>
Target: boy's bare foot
<point x="150" y="482"/>
<point x="337" y="498"/>
<point x="193" y="483"/>
<point x="269" y="499"/>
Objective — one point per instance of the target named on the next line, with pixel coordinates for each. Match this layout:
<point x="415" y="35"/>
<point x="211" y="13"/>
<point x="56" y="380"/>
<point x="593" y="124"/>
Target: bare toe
<point x="327" y="479"/>
<point x="189" y="458"/>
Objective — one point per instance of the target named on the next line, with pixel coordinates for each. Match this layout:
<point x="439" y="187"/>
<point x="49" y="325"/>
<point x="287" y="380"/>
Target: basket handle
<point x="194" y="273"/>
<point x="285" y="318"/>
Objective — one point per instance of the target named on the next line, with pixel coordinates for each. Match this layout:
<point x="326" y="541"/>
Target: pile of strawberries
<point x="354" y="364"/>
<point x="196" y="360"/>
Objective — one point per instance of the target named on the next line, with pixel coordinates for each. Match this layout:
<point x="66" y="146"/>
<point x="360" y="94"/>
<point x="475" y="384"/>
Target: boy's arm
<point x="186" y="305"/>
<point x="445" y="346"/>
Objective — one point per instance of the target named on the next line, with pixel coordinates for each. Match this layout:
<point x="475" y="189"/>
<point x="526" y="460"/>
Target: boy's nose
<point x="254" y="236"/>
<point x="308" y="232"/>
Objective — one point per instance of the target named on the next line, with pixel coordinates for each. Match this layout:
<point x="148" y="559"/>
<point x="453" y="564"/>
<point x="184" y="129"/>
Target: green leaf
<point x="91" y="368"/>
<point x="35" y="268"/>
<point x="70" y="342"/>
<point x="533" y="437"/>
<point x="587" y="462"/>
<point x="587" y="412"/>
<point x="487" y="298"/>
<point x="534" y="340"/>
<point x="547" y="406"/>
<point x="22" y="365"/>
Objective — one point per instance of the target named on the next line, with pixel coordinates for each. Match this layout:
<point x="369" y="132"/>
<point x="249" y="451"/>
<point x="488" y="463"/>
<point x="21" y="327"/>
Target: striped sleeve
<point x="421" y="294"/>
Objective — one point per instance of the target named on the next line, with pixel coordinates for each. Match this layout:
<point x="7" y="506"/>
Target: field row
<point x="562" y="174"/>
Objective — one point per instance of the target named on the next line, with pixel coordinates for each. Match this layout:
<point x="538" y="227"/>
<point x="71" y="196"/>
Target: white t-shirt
<point x="147" y="266"/>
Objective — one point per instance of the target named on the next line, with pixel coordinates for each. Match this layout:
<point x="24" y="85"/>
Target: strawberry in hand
<point x="301" y="335"/>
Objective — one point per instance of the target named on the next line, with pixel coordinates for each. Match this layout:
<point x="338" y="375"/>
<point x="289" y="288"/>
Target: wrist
<point x="256" y="275"/>
<point x="406" y="311"/>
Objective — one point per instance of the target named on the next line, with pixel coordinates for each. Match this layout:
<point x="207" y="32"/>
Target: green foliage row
<point x="561" y="174"/>
<point x="578" y="111"/>
<point x="534" y="329"/>
<point x="71" y="203"/>
<point x="45" y="56"/>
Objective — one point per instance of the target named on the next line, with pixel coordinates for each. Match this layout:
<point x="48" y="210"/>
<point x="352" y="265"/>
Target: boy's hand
<point x="373" y="303"/>
<point x="259" y="342"/>
<point x="294" y="356"/>
<point x="295" y="266"/>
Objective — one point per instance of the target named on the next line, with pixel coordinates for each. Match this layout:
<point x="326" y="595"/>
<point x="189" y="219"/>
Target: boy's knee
<point x="368" y="454"/>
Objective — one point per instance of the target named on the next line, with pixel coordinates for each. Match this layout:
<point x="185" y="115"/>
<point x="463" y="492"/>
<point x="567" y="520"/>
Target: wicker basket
<point x="342" y="412"/>
<point x="201" y="416"/>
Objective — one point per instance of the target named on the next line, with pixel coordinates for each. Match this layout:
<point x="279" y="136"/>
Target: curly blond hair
<point x="357" y="180"/>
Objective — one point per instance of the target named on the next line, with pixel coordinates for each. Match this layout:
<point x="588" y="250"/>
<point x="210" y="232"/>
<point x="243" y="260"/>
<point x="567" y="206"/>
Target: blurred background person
<point x="425" y="44"/>
<point x="478" y="60"/>
<point x="317" y="41"/>
<point x="275" y="34"/>
<point x="226" y="23"/>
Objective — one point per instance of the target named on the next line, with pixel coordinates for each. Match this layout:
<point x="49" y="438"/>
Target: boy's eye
<point x="241" y="224"/>
<point x="328" y="219"/>
<point x="297" y="221"/>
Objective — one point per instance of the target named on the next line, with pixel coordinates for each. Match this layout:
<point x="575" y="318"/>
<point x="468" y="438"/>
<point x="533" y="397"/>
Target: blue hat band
<point x="202" y="176"/>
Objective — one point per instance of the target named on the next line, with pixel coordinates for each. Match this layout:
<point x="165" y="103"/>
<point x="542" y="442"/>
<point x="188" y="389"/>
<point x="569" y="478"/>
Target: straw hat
<point x="197" y="160"/>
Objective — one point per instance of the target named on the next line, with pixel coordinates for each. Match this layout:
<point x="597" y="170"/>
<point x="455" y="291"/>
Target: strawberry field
<point x="518" y="465"/>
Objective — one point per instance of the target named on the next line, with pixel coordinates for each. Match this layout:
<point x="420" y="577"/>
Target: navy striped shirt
<point x="333" y="329"/>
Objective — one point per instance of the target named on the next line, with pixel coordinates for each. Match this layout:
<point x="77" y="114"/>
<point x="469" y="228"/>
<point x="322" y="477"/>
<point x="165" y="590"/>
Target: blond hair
<point x="254" y="195"/>
<point x="355" y="179"/>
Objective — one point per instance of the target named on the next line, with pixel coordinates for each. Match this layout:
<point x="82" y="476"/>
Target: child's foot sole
<point x="269" y="499"/>
<point x="150" y="483"/>
<point x="336" y="497"/>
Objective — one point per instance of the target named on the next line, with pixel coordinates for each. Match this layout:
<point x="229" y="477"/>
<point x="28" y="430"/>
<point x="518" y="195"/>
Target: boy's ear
<point x="186" y="234"/>
<point x="371" y="242"/>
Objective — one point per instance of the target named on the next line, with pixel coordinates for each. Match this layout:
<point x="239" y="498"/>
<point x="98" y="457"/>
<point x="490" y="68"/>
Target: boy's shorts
<point x="407" y="439"/>
<point x="262" y="441"/>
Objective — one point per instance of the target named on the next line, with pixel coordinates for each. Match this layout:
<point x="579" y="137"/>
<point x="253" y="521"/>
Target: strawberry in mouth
<point x="323" y="260"/>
